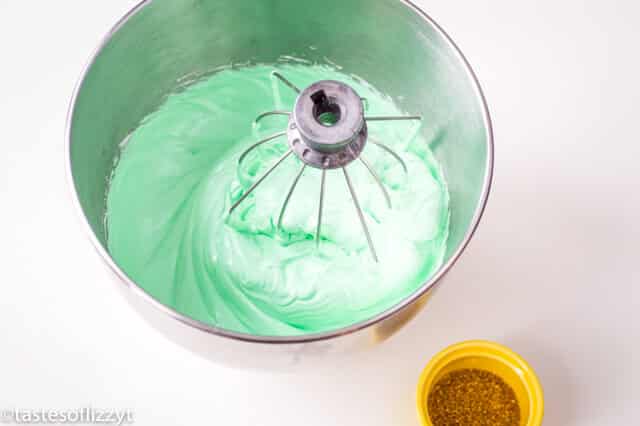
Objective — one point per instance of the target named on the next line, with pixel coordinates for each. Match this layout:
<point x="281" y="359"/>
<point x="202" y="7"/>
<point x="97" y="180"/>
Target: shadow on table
<point x="558" y="385"/>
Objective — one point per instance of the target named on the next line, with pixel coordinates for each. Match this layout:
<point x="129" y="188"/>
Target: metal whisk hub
<point x="327" y="129"/>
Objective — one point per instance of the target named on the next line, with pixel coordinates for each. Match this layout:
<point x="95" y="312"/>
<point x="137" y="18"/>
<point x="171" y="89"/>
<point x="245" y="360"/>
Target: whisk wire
<point x="291" y="189"/>
<point x="286" y="82"/>
<point x="360" y="214"/>
<point x="319" y="226"/>
<point x="260" y="142"/>
<point x="259" y="181"/>
<point x="393" y="118"/>
<point x="392" y="152"/>
<point x="377" y="179"/>
<point x="268" y="113"/>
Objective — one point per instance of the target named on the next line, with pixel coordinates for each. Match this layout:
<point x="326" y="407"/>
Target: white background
<point x="551" y="273"/>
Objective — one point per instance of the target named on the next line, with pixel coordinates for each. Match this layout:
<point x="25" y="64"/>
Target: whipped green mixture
<point x="169" y="228"/>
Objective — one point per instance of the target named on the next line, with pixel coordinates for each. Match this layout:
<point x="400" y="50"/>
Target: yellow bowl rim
<point x="481" y="348"/>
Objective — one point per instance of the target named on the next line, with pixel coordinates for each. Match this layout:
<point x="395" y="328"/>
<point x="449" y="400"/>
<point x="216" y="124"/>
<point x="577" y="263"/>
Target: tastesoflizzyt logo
<point x="85" y="415"/>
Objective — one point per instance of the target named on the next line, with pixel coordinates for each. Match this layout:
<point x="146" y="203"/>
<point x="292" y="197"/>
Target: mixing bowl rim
<point x="306" y="338"/>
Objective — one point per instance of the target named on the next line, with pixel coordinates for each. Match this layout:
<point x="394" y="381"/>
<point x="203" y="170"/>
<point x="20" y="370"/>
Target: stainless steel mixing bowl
<point x="390" y="43"/>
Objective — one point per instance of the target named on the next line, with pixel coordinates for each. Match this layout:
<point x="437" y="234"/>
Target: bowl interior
<point x="389" y="43"/>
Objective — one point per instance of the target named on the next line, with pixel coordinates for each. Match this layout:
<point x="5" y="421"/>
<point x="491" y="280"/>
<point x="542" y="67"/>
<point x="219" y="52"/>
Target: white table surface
<point x="551" y="273"/>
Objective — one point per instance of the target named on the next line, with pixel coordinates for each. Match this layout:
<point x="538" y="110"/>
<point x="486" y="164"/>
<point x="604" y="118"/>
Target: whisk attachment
<point x="327" y="129"/>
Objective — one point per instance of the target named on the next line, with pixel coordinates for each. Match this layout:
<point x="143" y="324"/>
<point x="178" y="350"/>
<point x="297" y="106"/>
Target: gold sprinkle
<point x="473" y="397"/>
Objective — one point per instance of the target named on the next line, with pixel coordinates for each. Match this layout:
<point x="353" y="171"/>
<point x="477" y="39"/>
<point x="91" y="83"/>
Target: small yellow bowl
<point x="490" y="357"/>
